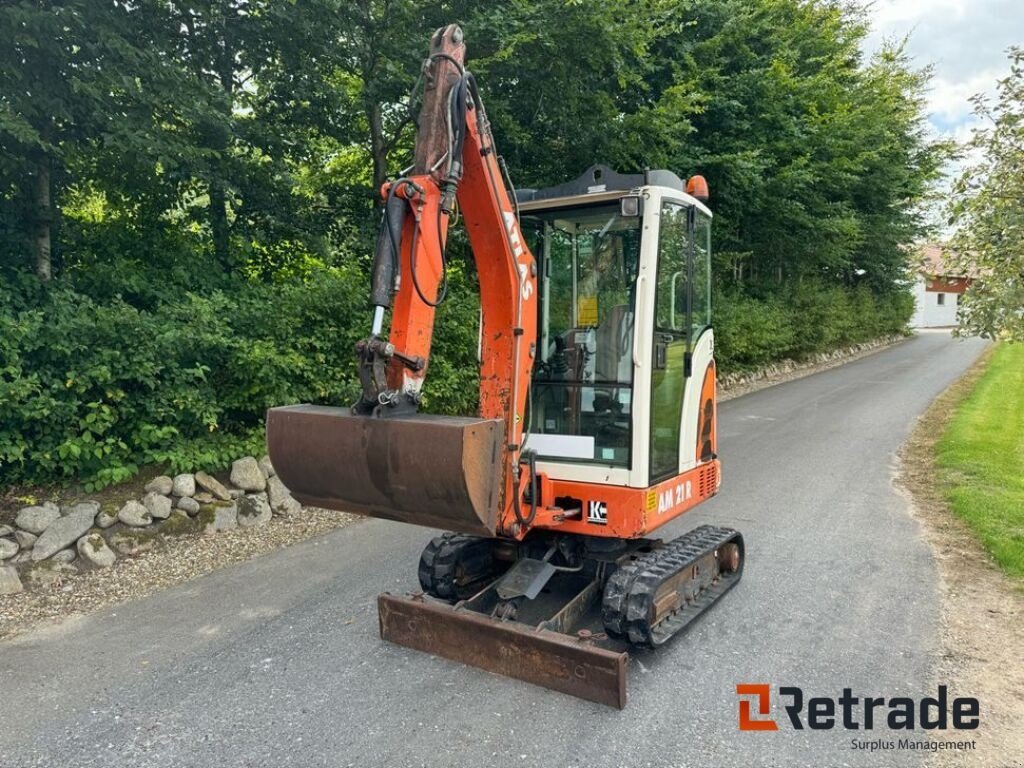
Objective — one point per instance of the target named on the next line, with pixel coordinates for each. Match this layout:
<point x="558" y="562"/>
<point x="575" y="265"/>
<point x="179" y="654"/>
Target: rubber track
<point x="441" y="557"/>
<point x="629" y="592"/>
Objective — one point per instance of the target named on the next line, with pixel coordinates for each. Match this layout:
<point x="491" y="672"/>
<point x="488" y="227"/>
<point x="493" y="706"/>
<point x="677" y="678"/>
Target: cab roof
<point x="600" y="178"/>
<point x="599" y="182"/>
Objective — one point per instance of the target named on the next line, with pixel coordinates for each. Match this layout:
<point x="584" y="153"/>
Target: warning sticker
<point x="651" y="502"/>
<point x="586" y="311"/>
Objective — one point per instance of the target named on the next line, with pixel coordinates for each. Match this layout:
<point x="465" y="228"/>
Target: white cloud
<point x="965" y="43"/>
<point x="949" y="100"/>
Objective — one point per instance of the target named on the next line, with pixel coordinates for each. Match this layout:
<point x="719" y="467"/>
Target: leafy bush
<point x="750" y="332"/>
<point x="801" y="320"/>
<point x="93" y="390"/>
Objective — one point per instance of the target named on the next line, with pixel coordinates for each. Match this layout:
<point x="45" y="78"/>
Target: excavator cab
<point x="622" y="394"/>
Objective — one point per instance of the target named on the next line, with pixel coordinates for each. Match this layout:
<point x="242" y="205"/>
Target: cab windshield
<point x="582" y="395"/>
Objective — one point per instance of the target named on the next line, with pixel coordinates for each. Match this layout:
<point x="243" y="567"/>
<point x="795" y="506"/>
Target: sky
<point x="965" y="41"/>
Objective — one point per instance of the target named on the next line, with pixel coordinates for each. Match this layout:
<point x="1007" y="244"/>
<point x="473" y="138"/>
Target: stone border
<point x="48" y="544"/>
<point x="737" y="384"/>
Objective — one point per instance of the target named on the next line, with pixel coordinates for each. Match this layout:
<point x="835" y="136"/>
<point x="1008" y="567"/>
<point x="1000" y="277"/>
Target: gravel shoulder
<point x="172" y="561"/>
<point x="982" y="612"/>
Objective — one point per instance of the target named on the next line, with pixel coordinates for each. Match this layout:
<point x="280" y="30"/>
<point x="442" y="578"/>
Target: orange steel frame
<point x="508" y="285"/>
<point x="508" y="296"/>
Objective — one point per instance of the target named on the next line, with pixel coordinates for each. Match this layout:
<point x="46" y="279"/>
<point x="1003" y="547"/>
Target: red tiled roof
<point x="937" y="259"/>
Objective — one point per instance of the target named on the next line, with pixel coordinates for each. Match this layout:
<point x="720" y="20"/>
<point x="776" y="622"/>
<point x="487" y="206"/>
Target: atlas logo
<point x="515" y="240"/>
<point x="854" y="713"/>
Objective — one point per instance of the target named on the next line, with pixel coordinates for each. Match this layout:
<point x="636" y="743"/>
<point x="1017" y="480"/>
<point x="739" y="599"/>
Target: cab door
<point x="670" y="338"/>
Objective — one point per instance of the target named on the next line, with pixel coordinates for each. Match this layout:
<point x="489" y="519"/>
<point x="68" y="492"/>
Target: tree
<point x="64" y="70"/>
<point x="988" y="210"/>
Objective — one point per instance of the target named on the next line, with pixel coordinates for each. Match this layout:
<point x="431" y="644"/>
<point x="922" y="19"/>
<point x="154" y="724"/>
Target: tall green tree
<point x="988" y="210"/>
<point x="67" y="83"/>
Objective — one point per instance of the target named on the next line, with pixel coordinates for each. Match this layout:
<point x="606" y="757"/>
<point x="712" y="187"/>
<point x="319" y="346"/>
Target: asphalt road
<point x="277" y="662"/>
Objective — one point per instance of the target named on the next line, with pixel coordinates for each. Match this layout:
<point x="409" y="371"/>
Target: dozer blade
<point x="537" y="656"/>
<point x="438" y="471"/>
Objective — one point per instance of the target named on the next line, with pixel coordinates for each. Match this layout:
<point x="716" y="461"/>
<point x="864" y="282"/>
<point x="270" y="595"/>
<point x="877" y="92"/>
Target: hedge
<point x="93" y="389"/>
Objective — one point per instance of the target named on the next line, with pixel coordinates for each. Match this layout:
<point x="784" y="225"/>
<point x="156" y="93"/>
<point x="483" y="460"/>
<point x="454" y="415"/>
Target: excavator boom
<point x="383" y="458"/>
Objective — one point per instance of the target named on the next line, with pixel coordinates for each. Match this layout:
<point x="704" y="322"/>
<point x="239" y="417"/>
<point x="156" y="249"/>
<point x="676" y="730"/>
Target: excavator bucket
<point x="438" y="471"/>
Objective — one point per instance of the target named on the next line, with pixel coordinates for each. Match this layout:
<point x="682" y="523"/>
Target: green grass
<point x="981" y="459"/>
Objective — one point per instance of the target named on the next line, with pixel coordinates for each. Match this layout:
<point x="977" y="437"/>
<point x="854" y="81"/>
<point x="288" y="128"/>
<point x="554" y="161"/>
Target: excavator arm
<point x="382" y="457"/>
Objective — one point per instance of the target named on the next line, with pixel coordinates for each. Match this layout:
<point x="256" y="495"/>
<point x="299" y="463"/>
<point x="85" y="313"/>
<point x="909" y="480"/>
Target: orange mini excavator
<point x="597" y="409"/>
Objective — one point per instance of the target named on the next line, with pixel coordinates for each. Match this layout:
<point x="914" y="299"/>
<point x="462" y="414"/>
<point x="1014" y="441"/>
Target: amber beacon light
<point x="697" y="186"/>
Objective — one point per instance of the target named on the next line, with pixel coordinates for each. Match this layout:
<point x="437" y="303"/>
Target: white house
<point x="937" y="289"/>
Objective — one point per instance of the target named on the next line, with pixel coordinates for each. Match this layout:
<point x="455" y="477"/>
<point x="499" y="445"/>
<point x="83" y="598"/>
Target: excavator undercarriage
<point x="562" y="612"/>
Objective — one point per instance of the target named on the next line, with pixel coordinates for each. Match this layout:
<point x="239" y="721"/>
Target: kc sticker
<point x="597" y="512"/>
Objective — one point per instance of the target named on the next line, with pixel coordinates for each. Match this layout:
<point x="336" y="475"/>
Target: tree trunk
<point x="378" y="151"/>
<point x="219" y="226"/>
<point x="43" y="222"/>
<point x="219" y="223"/>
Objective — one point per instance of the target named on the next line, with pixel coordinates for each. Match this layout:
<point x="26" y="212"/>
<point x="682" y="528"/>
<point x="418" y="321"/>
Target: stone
<point x="63" y="532"/>
<point x="105" y="519"/>
<point x="184" y="485"/>
<point x="161" y="484"/>
<point x="134" y="514"/>
<point x="131" y="543"/>
<point x="158" y="506"/>
<point x="254" y="510"/>
<point x="10" y="582"/>
<point x="246" y="474"/>
<point x="49" y="575"/>
<point x="212" y="485"/>
<point x="25" y="539"/>
<point x="64" y="556"/>
<point x="25" y="556"/>
<point x="188" y="505"/>
<point x="266" y="467"/>
<point x="6" y="530"/>
<point x="290" y="507"/>
<point x="204" y="498"/>
<point x="36" y="519"/>
<point x="92" y="508"/>
<point x="277" y="494"/>
<point x="178" y="524"/>
<point x="93" y="548"/>
<point x="236" y="493"/>
<point x="8" y="549"/>
<point x="224" y="519"/>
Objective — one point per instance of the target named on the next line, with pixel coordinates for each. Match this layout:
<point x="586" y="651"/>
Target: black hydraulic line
<point x="449" y="57"/>
<point x="443" y="288"/>
<point x="531" y="462"/>
<point x="512" y="188"/>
